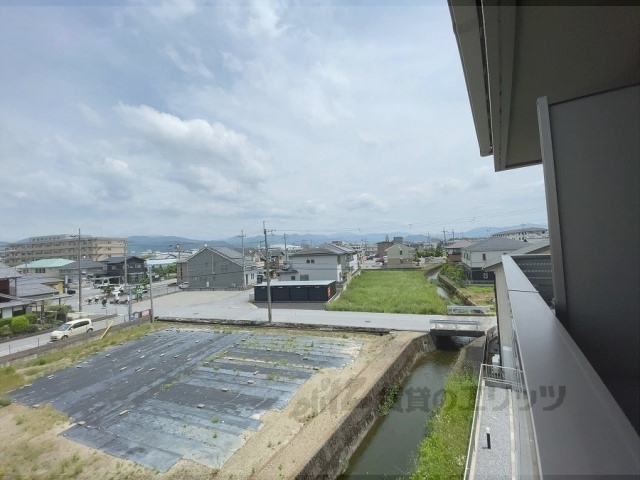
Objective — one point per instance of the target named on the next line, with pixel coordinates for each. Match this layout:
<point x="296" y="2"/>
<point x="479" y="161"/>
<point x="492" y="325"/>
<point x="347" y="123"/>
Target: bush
<point x="5" y="322"/>
<point x="32" y="317"/>
<point x="5" y="331"/>
<point x="19" y="324"/>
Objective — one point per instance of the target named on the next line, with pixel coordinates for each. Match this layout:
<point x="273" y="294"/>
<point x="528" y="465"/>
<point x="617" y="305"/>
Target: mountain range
<point x="141" y="243"/>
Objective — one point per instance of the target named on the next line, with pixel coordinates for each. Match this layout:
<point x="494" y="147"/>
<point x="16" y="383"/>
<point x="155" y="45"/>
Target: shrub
<point x="5" y="321"/>
<point x="32" y="317"/>
<point x="19" y="324"/>
<point x="5" y="331"/>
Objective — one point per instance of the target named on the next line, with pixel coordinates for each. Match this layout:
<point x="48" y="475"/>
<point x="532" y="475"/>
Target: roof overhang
<point x="516" y="52"/>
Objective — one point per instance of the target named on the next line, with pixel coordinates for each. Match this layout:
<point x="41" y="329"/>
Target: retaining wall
<point x="329" y="459"/>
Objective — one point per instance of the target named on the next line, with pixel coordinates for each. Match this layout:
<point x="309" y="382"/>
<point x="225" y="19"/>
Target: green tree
<point x="20" y="324"/>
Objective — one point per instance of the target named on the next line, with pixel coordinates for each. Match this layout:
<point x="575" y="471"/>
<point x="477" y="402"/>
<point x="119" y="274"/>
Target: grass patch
<point x="394" y="291"/>
<point x="444" y="452"/>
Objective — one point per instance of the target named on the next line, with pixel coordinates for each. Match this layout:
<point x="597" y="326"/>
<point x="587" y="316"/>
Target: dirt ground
<point x="32" y="448"/>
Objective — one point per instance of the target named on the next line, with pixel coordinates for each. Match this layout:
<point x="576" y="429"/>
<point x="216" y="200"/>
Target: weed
<point x="5" y="401"/>
<point x="19" y="419"/>
<point x="215" y="419"/>
<point x="389" y="400"/>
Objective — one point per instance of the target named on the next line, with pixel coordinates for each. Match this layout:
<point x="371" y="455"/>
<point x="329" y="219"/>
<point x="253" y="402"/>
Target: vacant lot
<point x="393" y="291"/>
<point x="212" y="394"/>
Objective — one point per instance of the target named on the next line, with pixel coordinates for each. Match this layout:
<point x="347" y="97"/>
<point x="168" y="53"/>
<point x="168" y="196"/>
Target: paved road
<point x="221" y="305"/>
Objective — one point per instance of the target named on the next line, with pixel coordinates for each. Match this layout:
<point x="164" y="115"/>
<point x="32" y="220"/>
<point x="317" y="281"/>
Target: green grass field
<point x="393" y="291"/>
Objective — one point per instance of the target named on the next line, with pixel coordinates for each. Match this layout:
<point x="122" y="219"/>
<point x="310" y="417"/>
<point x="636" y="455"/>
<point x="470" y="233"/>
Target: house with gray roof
<point x="88" y="267"/>
<point x="10" y="303"/>
<point x="325" y="262"/>
<point x="477" y="256"/>
<point x="220" y="268"/>
<point x="454" y="251"/>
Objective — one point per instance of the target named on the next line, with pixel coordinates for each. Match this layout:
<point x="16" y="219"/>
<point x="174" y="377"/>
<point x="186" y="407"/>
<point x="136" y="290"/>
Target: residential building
<point x="88" y="269"/>
<point x="560" y="86"/>
<point x="10" y="303"/>
<point x="325" y="262"/>
<point x="63" y="246"/>
<point x="400" y="255"/>
<point x="477" y="256"/>
<point x="135" y="269"/>
<point x="220" y="267"/>
<point x="454" y="251"/>
<point x="47" y="266"/>
<point x="276" y="258"/>
<point x="382" y="248"/>
<point x="531" y="234"/>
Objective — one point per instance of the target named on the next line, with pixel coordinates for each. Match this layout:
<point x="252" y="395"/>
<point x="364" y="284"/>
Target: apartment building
<point x="63" y="246"/>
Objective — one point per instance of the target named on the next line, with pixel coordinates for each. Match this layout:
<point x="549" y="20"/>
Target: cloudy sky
<point x="201" y="121"/>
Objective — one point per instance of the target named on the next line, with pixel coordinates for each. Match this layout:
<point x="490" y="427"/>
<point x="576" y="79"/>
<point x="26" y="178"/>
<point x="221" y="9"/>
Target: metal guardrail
<point x="456" y="325"/>
<point x="467" y="309"/>
<point x="496" y="373"/>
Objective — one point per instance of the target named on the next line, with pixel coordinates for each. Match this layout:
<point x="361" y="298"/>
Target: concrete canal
<point x="391" y="446"/>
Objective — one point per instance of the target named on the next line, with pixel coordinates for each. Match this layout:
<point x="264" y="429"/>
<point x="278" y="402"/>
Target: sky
<point x="198" y="120"/>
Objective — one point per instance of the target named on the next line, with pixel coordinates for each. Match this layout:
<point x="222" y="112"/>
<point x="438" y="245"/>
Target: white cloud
<point x="197" y="141"/>
<point x="365" y="201"/>
<point x="90" y="114"/>
<point x="192" y="64"/>
<point x="264" y="19"/>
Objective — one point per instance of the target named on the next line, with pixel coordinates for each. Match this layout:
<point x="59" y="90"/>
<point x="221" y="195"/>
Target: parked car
<point x="183" y="285"/>
<point x="72" y="328"/>
<point x="70" y="291"/>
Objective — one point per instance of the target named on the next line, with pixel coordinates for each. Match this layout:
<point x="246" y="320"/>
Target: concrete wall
<point x="329" y="459"/>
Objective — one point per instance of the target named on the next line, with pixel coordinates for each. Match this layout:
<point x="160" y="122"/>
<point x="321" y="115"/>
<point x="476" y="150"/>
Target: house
<point x="382" y="248"/>
<point x="325" y="262"/>
<point x="276" y="258"/>
<point x="10" y="303"/>
<point x="88" y="269"/>
<point x="477" y="256"/>
<point x="454" y="251"/>
<point x="134" y="266"/>
<point x="47" y="266"/>
<point x="560" y="86"/>
<point x="400" y="255"/>
<point x="220" y="267"/>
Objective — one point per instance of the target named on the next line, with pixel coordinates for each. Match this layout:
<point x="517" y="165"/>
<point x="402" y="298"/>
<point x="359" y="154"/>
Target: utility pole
<point x="79" y="273"/>
<point x="150" y="292"/>
<point x="244" y="280"/>
<point x="444" y="234"/>
<point x="126" y="282"/>
<point x="266" y="259"/>
<point x="286" y="255"/>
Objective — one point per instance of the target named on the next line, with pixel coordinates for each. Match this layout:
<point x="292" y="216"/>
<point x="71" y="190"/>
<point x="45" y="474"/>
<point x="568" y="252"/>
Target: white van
<point x="72" y="328"/>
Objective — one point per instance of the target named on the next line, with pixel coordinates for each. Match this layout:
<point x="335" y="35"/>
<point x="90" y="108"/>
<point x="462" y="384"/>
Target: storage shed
<point x="316" y="291"/>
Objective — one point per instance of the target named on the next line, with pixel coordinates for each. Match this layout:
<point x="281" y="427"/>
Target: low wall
<point x="83" y="338"/>
<point x="329" y="459"/>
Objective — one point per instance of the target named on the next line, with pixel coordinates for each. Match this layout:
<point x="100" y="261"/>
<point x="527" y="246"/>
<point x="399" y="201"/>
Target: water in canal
<point x="390" y="448"/>
<point x="439" y="290"/>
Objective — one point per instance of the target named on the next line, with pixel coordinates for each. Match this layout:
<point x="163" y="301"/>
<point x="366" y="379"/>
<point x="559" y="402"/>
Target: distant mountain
<point x="138" y="244"/>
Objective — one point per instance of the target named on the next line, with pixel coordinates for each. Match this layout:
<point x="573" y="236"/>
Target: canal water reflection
<point x="390" y="448"/>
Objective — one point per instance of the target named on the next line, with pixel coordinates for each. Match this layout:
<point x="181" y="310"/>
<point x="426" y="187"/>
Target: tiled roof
<point x="494" y="244"/>
<point x="8" y="272"/>
<point x="47" y="263"/>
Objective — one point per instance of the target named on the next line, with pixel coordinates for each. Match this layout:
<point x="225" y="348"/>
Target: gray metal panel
<point x="587" y="433"/>
<point x="596" y="153"/>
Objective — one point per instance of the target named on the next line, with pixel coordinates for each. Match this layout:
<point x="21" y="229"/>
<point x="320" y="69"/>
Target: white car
<point x="183" y="285"/>
<point x="72" y="328"/>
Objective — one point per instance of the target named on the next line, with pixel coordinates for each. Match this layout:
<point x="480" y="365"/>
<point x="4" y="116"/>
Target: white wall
<point x="325" y="267"/>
